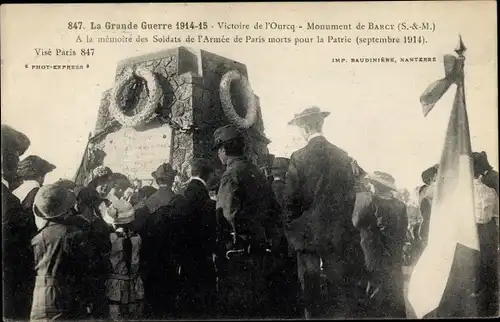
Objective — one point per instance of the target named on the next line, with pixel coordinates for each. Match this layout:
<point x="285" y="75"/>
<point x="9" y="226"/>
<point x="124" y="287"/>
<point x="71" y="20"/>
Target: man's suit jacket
<point x="18" y="228"/>
<point x="319" y="198"/>
<point x="200" y="222"/>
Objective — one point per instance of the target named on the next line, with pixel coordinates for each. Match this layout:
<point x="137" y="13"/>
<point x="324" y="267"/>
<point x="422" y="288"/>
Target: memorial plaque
<point x="136" y="154"/>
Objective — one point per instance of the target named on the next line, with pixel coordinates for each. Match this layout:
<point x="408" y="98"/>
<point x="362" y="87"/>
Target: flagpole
<point x="460" y="50"/>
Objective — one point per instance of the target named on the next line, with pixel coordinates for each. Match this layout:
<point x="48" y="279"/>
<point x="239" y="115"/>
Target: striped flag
<point x="444" y="276"/>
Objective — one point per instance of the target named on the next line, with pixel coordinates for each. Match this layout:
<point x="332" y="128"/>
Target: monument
<point x="165" y="106"/>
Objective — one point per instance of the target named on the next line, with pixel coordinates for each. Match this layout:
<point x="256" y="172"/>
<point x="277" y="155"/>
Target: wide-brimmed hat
<point x="383" y="178"/>
<point x="33" y="166"/>
<point x="164" y="171"/>
<point x="225" y="134"/>
<point x="53" y="201"/>
<point x="308" y="112"/>
<point x="428" y="174"/>
<point x="120" y="212"/>
<point x="13" y="140"/>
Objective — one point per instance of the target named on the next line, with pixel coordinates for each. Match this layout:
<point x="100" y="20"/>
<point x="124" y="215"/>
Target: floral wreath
<point x="249" y="98"/>
<point x="154" y="95"/>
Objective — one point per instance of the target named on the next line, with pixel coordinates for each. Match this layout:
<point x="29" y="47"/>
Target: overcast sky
<point x="375" y="111"/>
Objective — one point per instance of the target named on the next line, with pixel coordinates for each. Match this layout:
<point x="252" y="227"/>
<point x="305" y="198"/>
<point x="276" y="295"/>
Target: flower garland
<point x="249" y="98"/>
<point x="154" y="95"/>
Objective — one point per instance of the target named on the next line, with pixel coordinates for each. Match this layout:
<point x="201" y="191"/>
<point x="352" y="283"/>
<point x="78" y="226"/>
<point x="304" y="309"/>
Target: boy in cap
<point x="64" y="258"/>
<point x="17" y="230"/>
<point x="248" y="220"/>
<point x="319" y="198"/>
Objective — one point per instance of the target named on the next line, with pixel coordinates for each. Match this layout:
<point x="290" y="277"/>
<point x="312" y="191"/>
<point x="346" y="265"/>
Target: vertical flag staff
<point x="445" y="273"/>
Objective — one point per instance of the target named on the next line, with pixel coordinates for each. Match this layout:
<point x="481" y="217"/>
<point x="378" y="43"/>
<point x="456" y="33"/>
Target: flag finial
<point x="461" y="47"/>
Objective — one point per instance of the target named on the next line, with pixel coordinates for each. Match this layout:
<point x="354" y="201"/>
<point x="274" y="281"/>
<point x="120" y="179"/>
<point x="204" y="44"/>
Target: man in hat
<point x="484" y="171"/>
<point x="17" y="230"/>
<point x="382" y="220"/>
<point x="198" y="271"/>
<point x="164" y="177"/>
<point x="32" y="171"/>
<point x="248" y="220"/>
<point x="319" y="198"/>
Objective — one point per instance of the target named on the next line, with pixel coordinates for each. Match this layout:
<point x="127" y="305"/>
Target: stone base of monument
<point x="187" y="114"/>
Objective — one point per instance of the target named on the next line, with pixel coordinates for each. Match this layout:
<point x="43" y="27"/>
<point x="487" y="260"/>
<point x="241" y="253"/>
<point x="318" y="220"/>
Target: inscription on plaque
<point x="137" y="154"/>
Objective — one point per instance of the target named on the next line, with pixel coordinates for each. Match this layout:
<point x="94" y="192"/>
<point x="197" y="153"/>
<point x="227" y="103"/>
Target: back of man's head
<point x="202" y="168"/>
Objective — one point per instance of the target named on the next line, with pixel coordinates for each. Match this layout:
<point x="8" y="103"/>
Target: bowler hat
<point x="384" y="179"/>
<point x="428" y="174"/>
<point x="224" y="134"/>
<point x="33" y="166"/>
<point x="308" y="112"/>
<point x="164" y="171"/>
<point x="53" y="201"/>
<point x="13" y="140"/>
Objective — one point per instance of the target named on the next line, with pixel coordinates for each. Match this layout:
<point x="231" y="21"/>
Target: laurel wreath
<point x="146" y="114"/>
<point x="249" y="99"/>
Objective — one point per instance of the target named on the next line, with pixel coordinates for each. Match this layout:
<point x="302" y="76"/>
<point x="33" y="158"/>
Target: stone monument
<point x="165" y="106"/>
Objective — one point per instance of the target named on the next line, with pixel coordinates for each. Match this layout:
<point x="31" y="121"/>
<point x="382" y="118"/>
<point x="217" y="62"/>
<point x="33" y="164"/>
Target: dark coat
<point x="18" y="227"/>
<point x="319" y="198"/>
<point x="279" y="190"/>
<point x="382" y="222"/>
<point x="490" y="179"/>
<point x="161" y="232"/>
<point x="64" y="261"/>
<point x="246" y="200"/>
<point x="158" y="199"/>
<point x="198" y="270"/>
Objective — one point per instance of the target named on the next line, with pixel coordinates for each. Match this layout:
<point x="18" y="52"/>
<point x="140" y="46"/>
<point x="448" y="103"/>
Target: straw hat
<point x="119" y="213"/>
<point x="53" y="201"/>
<point x="383" y="179"/>
<point x="308" y="112"/>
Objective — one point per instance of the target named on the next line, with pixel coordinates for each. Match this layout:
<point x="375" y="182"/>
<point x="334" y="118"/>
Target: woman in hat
<point x="382" y="221"/>
<point x="124" y="287"/>
<point x="63" y="258"/>
<point x="31" y="171"/>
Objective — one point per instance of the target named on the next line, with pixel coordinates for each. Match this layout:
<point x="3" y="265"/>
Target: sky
<point x="375" y="112"/>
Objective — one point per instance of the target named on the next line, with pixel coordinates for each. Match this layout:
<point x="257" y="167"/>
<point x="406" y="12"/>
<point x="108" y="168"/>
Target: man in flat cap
<point x="248" y="218"/>
<point x="17" y="230"/>
<point x="319" y="199"/>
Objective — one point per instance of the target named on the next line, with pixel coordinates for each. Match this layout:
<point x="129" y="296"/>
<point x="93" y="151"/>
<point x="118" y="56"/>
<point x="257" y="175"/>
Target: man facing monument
<point x="319" y="199"/>
<point x="245" y="211"/>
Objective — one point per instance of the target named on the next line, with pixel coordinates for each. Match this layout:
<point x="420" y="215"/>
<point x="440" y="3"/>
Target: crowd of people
<point x="315" y="237"/>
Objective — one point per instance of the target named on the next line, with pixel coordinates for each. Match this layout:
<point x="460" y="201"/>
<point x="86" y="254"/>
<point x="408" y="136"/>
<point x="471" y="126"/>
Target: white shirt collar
<point x="5" y="182"/>
<point x="315" y="135"/>
<point x="201" y="180"/>
<point x="25" y="188"/>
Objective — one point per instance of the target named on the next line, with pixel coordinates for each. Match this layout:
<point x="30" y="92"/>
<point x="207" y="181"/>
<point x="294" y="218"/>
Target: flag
<point x="445" y="273"/>
<point x="83" y="168"/>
